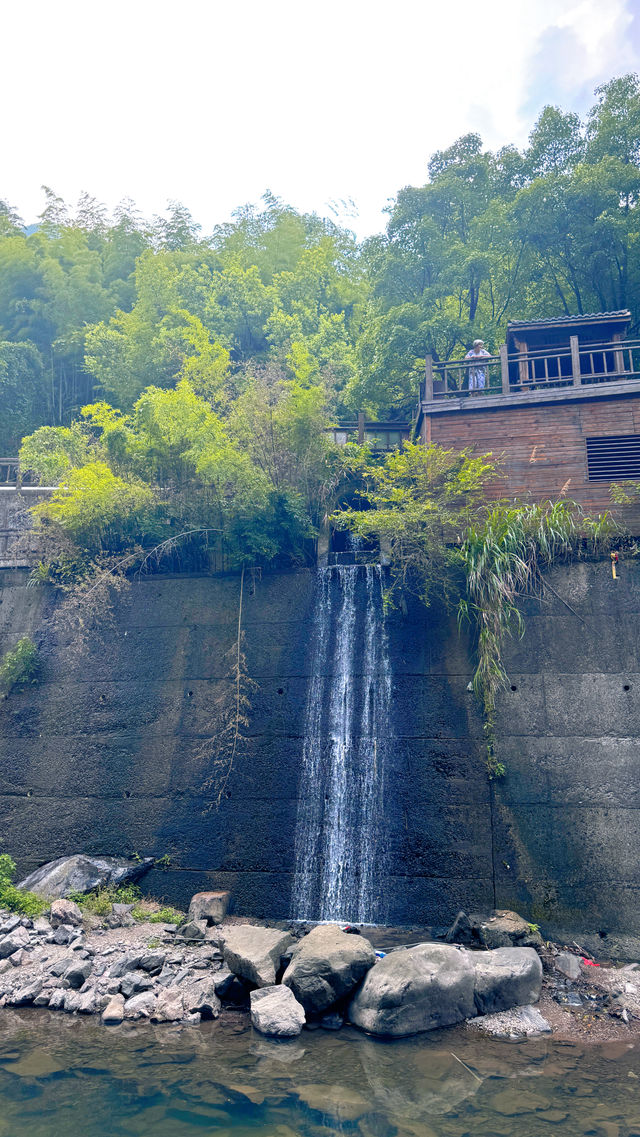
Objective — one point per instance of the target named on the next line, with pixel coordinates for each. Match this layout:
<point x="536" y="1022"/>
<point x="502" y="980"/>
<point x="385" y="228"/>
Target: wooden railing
<point x="578" y="365"/>
<point x="9" y="471"/>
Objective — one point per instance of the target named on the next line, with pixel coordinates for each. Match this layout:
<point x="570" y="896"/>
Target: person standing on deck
<point x="478" y="373"/>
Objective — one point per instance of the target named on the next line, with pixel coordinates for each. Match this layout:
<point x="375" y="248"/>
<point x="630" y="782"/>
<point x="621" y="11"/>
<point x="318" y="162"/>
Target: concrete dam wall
<point x="111" y="753"/>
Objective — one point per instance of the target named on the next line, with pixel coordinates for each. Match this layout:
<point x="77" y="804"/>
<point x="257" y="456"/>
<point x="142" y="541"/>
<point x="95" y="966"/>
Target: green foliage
<point x="164" y="915"/>
<point x="15" y="899"/>
<point x="504" y="558"/>
<point x="100" y="510"/>
<point x="23" y="395"/>
<point x="51" y="451"/>
<point x="100" y="900"/>
<point x="20" y="666"/>
<point x="419" y="502"/>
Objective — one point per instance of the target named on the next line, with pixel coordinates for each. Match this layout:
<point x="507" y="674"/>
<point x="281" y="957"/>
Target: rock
<point x="568" y="964"/>
<point x="193" y="930"/>
<point x="88" y="1002"/>
<point x="169" y="1006"/>
<point x="230" y="988"/>
<point x="65" y="912"/>
<point x="130" y="961"/>
<point x="333" y="1021"/>
<point x="462" y="931"/>
<point x="8" y="923"/>
<point x="254" y="953"/>
<point x="41" y="925"/>
<point x="42" y="1000"/>
<point x="56" y="999"/>
<point x="419" y="988"/>
<point x="65" y="934"/>
<point x="133" y="982"/>
<point x="19" y="957"/>
<point x="77" y="972"/>
<point x="337" y="1103"/>
<point x="141" y="1006"/>
<point x="82" y="873"/>
<point x="153" y="961"/>
<point x="122" y="909"/>
<point x="276" y="1011"/>
<point x="25" y="995"/>
<point x="18" y="938"/>
<point x="326" y="965"/>
<point x="209" y="906"/>
<point x="508" y="929"/>
<point x="506" y="977"/>
<point x="517" y="1023"/>
<point x="113" y="1013"/>
<point x="71" y="1002"/>
<point x="199" y="997"/>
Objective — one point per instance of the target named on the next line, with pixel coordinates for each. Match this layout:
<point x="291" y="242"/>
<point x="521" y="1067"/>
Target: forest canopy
<point x="187" y="380"/>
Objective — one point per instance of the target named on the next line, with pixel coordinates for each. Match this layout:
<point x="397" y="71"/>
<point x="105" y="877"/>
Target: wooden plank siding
<point x="542" y="447"/>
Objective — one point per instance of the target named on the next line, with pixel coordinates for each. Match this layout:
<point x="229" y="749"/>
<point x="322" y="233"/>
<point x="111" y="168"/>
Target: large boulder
<point x="82" y="873"/>
<point x="276" y="1011"/>
<point x="416" y="989"/>
<point x="506" y="977"/>
<point x="209" y="906"/>
<point x="254" y="953"/>
<point x="326" y="965"/>
<point x="507" y="929"/>
<point x="65" y="913"/>
<point x="16" y="940"/>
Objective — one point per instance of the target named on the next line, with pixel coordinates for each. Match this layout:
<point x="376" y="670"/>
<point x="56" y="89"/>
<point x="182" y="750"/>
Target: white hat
<point x="478" y="343"/>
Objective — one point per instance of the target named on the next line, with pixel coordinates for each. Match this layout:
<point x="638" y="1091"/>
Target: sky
<point x="333" y="107"/>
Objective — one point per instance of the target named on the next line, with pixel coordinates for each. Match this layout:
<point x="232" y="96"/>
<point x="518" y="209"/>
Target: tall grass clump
<point x="504" y="559"/>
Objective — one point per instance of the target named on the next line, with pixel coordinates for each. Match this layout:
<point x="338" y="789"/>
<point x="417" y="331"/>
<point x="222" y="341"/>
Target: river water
<point x="62" y="1075"/>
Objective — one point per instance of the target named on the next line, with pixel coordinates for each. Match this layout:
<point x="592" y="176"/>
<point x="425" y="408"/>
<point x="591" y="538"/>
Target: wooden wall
<point x="542" y="448"/>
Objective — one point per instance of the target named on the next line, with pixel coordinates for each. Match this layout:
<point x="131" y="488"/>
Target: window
<point x="613" y="457"/>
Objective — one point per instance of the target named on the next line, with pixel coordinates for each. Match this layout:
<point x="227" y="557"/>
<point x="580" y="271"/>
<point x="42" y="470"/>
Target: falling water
<point x="340" y="844"/>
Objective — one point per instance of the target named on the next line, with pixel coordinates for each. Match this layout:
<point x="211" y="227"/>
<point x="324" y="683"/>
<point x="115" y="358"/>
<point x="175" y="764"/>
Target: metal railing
<point x="578" y="365"/>
<point x="9" y="471"/>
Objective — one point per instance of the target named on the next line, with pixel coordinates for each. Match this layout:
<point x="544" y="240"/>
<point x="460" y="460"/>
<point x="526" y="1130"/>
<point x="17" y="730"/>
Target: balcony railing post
<point x="428" y="384"/>
<point x="360" y="427"/>
<point x="575" y="360"/>
<point x="504" y="368"/>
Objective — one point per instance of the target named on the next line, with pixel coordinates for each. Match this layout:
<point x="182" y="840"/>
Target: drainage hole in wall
<point x="127" y="793"/>
<point x="281" y="690"/>
<point x="29" y="793"/>
<point x="228" y="794"/>
<point x="627" y="687"/>
<point x="514" y="687"/>
<point x="103" y="698"/>
<point x="189" y="694"/>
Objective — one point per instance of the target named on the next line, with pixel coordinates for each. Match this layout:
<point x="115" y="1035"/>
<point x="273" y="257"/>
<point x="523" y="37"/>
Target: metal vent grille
<point x="613" y="457"/>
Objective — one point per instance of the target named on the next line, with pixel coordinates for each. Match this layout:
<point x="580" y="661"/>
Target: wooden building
<point x="559" y="405"/>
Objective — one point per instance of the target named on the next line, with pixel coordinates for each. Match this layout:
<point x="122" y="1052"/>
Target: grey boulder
<point x="506" y="977"/>
<point x="65" y="913"/>
<point x="113" y="1013"/>
<point x="17" y="939"/>
<point x="416" y="989"/>
<point x="276" y="1011"/>
<point x="199" y="997"/>
<point x="82" y="873"/>
<point x="326" y="965"/>
<point x="209" y="906"/>
<point x="141" y="1006"/>
<point x="254" y="953"/>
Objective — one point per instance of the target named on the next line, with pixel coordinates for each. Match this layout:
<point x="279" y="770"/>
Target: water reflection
<point x="60" y="1075"/>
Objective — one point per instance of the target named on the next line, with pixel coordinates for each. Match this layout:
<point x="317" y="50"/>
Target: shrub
<point x="20" y="666"/>
<point x="26" y="903"/>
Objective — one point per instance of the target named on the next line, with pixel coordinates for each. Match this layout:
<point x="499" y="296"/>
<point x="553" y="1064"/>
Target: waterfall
<point x="340" y="845"/>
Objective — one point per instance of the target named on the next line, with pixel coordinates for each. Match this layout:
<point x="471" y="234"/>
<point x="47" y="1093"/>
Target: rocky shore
<point x="289" y="978"/>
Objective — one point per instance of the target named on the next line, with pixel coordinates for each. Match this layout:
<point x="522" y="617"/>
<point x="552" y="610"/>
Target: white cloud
<point x="210" y="102"/>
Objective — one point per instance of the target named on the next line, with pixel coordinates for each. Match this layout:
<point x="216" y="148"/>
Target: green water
<point x="69" y="1076"/>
